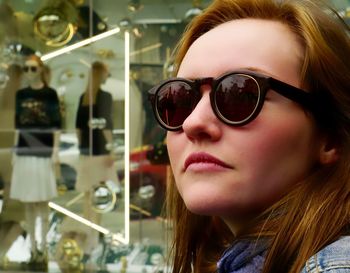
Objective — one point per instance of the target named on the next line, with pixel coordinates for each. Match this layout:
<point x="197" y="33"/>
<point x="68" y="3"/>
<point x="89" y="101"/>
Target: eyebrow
<point x="264" y="72"/>
<point x="256" y="69"/>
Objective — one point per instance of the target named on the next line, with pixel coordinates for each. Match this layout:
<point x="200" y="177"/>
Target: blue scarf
<point x="243" y="257"/>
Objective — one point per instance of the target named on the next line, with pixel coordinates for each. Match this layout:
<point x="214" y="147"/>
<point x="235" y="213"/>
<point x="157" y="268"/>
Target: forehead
<point x="31" y="63"/>
<point x="240" y="44"/>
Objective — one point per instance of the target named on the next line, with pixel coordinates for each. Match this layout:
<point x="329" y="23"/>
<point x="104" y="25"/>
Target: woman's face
<point x="261" y="161"/>
<point x="32" y="70"/>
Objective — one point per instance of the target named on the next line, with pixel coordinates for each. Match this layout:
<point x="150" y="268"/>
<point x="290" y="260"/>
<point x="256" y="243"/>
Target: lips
<point x="197" y="158"/>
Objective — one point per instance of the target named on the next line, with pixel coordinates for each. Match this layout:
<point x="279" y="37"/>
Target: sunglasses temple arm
<point x="302" y="97"/>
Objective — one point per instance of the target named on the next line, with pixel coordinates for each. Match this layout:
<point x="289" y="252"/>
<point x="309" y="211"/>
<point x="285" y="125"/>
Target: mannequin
<point x="37" y="120"/>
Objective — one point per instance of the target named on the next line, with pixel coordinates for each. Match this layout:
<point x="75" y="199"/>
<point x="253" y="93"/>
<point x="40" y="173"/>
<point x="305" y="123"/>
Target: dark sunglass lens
<point x="30" y="68"/>
<point x="175" y="102"/>
<point x="237" y="97"/>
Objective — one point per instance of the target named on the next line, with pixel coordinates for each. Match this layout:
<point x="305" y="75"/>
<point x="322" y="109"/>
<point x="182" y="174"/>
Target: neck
<point x="36" y="85"/>
<point x="238" y="225"/>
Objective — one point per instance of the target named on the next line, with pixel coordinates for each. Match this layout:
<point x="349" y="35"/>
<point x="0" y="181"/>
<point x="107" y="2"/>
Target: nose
<point x="202" y="122"/>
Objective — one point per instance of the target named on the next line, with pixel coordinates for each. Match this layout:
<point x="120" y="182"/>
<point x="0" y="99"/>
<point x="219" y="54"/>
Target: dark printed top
<point x="37" y="117"/>
<point x="101" y="120"/>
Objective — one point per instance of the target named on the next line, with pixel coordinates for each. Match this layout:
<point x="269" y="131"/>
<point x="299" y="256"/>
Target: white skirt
<point x="33" y="179"/>
<point x="95" y="169"/>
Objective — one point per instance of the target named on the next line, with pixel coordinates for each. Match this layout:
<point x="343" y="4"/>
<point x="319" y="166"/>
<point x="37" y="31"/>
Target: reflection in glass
<point x="94" y="130"/>
<point x="147" y="192"/>
<point x="54" y="24"/>
<point x="103" y="198"/>
<point x="69" y="255"/>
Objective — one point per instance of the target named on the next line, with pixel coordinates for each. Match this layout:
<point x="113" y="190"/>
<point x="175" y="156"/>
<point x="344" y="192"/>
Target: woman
<point x="38" y="120"/>
<point x="258" y="139"/>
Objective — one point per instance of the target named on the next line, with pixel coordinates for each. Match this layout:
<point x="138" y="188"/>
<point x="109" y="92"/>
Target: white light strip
<point x="80" y="44"/>
<point x="126" y="137"/>
<point x="84" y="221"/>
<point x="78" y="218"/>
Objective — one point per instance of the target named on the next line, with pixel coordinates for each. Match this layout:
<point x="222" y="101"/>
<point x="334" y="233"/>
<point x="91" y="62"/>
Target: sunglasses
<point x="27" y="68"/>
<point x="236" y="97"/>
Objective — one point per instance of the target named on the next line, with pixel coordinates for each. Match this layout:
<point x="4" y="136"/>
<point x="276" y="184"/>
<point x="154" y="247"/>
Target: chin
<point x="222" y="210"/>
<point x="203" y="207"/>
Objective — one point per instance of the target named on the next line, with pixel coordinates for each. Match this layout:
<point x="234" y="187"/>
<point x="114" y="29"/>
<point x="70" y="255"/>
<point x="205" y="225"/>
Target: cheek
<point x="286" y="139"/>
<point x="279" y="157"/>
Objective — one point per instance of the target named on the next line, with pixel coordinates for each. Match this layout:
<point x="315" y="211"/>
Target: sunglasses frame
<point x="264" y="84"/>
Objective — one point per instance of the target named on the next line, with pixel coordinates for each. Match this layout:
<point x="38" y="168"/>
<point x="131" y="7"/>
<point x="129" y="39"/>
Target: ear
<point x="328" y="152"/>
